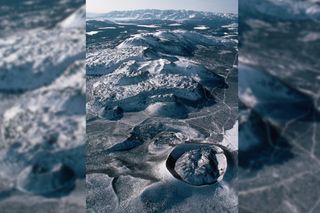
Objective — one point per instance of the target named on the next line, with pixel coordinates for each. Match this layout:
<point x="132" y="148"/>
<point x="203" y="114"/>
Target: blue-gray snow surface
<point x="42" y="109"/>
<point x="279" y="73"/>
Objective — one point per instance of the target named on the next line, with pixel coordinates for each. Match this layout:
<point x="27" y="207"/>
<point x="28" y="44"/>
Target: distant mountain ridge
<point x="146" y="14"/>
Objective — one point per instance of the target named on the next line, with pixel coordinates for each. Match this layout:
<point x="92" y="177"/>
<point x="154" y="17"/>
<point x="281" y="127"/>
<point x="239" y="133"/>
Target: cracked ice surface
<point x="279" y="100"/>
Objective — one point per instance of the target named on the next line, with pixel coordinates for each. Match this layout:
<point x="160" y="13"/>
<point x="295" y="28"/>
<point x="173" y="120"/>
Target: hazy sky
<point x="224" y="6"/>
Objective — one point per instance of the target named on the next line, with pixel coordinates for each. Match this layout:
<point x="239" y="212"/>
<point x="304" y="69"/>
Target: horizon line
<point x="161" y="10"/>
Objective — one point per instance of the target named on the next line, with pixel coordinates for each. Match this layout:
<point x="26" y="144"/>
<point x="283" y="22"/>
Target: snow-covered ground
<point x="42" y="125"/>
<point x="161" y="113"/>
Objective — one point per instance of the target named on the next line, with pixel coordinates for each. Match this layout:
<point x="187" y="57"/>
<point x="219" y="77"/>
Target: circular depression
<point x="201" y="164"/>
